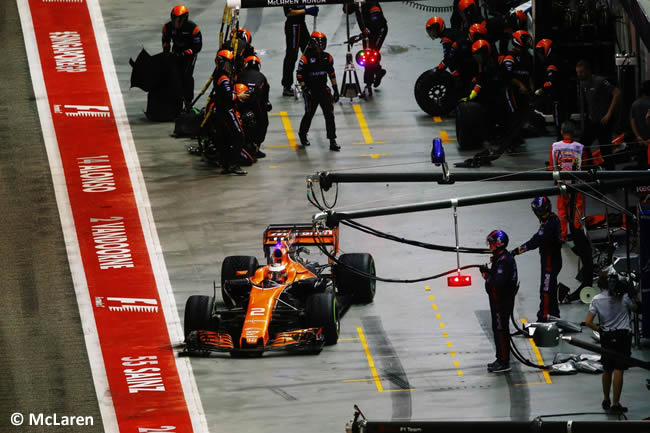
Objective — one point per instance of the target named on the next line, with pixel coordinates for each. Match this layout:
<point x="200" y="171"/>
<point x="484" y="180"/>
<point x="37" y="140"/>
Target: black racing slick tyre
<point x="198" y="314"/>
<point x="470" y="125"/>
<point x="349" y="283"/>
<point x="322" y="312"/>
<point x="236" y="267"/>
<point x="435" y="92"/>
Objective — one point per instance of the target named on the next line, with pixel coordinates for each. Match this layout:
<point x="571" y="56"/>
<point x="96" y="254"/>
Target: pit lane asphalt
<point x="43" y="358"/>
<point x="424" y="370"/>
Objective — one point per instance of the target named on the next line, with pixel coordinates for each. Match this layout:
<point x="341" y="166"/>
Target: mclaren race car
<point x="288" y="304"/>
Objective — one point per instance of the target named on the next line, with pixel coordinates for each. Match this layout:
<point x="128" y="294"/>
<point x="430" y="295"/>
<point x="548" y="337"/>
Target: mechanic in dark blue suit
<point x="501" y="285"/>
<point x="549" y="241"/>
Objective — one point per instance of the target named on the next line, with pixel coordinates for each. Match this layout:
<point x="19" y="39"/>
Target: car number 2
<point x="258" y="311"/>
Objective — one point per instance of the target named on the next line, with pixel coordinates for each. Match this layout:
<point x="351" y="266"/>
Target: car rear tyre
<point x="198" y="314"/>
<point x="322" y="312"/>
<point x="235" y="267"/>
<point x="435" y="92"/>
<point x="470" y="125"/>
<point x="349" y="283"/>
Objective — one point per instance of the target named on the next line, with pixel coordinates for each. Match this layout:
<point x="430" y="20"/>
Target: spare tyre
<point x="435" y="92"/>
<point x="471" y="128"/>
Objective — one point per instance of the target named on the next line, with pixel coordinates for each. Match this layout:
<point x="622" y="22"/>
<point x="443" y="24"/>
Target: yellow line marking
<point x="453" y="354"/>
<point x="376" y="155"/>
<point x="442" y="325"/>
<point x="444" y="137"/>
<point x="444" y="334"/>
<point x="437" y="119"/>
<point x="287" y="127"/>
<point x="371" y="363"/>
<point x="275" y="114"/>
<point x="349" y="339"/>
<point x="460" y="372"/>
<point x="286" y="146"/>
<point x="456" y="364"/>
<point x="362" y="124"/>
<point x="538" y="355"/>
<point x="358" y="380"/>
<point x="399" y="390"/>
<point x="431" y="297"/>
<point x="358" y="143"/>
<point x="449" y="344"/>
<point x="427" y="288"/>
<point x="434" y="306"/>
<point x="273" y="166"/>
<point x="438" y="315"/>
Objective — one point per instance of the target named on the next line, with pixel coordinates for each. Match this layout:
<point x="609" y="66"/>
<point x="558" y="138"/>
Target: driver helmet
<point x="277" y="273"/>
<point x="541" y="206"/>
<point x="181" y="13"/>
<point x="497" y="239"/>
<point x="435" y="27"/>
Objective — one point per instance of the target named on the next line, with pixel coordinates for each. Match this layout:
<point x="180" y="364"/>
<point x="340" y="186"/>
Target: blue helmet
<point x="541" y="206"/>
<point x="497" y="239"/>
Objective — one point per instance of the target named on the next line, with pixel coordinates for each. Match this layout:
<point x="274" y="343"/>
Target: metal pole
<point x="326" y="179"/>
<point x="454" y="203"/>
<point x="332" y="218"/>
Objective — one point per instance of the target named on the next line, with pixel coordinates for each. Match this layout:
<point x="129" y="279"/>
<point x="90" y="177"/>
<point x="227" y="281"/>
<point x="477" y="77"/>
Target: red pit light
<point x="459" y="280"/>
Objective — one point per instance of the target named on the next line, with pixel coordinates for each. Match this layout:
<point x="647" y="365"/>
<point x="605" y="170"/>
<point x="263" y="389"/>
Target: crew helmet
<point x="541" y="206"/>
<point x="319" y="39"/>
<point x="181" y="12"/>
<point x="252" y="62"/>
<point x="522" y="39"/>
<point x="497" y="239"/>
<point x="435" y="27"/>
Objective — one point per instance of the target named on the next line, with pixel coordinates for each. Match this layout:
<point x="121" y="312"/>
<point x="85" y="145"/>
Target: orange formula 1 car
<point x="288" y="304"/>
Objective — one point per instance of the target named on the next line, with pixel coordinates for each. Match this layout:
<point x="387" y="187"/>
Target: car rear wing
<point x="300" y="235"/>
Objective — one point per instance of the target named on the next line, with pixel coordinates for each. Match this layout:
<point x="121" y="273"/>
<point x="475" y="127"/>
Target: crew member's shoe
<point x="304" y="141"/>
<point x="234" y="169"/>
<point x="606" y="404"/>
<point x="617" y="409"/>
<point x="259" y="154"/>
<point x="378" y="76"/>
<point x="333" y="146"/>
<point x="287" y="91"/>
<point x="499" y="366"/>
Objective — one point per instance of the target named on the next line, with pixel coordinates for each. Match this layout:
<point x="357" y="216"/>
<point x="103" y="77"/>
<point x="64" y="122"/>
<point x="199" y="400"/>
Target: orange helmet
<point x="241" y="88"/>
<point x="481" y="50"/>
<point x="435" y="27"/>
<point x="244" y="34"/>
<point x="463" y="5"/>
<point x="543" y="48"/>
<point x="225" y="54"/>
<point x="224" y="60"/>
<point x="522" y="39"/>
<point x="180" y="11"/>
<point x="319" y="39"/>
<point x="253" y="61"/>
<point x="518" y="20"/>
<point x="477" y="31"/>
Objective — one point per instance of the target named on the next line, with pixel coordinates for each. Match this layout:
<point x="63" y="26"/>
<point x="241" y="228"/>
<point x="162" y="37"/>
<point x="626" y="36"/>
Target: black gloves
<point x="515" y="251"/>
<point x="484" y="269"/>
<point x="312" y="10"/>
<point x="336" y="94"/>
<point x="269" y="106"/>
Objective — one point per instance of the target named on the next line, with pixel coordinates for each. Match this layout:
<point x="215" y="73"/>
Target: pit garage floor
<point x="419" y="351"/>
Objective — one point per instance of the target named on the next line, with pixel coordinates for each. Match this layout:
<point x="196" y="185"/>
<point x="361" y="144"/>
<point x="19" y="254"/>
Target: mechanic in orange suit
<point x="183" y="39"/>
